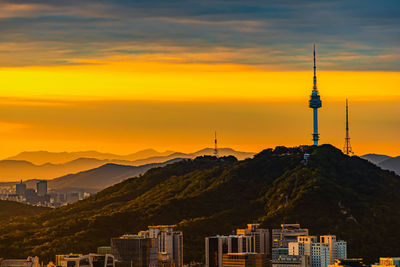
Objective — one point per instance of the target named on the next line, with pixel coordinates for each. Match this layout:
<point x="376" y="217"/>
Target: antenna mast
<point x="215" y="145"/>
<point x="347" y="147"/>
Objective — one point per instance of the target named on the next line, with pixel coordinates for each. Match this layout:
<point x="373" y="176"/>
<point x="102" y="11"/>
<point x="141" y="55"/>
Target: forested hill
<point x="10" y="209"/>
<point x="333" y="193"/>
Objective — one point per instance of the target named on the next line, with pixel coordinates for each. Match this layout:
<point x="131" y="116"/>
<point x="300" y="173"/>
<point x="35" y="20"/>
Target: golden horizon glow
<point x="121" y="106"/>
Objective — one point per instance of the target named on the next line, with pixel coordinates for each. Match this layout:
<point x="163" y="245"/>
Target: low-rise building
<point x="292" y="261"/>
<point x="388" y="262"/>
<point x="244" y="260"/>
<point x="348" y="263"/>
<point x="28" y="262"/>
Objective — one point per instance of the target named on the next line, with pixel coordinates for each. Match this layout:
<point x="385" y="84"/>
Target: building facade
<point x="244" y="260"/>
<point x="260" y="239"/>
<point x="292" y="261"/>
<point x="135" y="251"/>
<point x="282" y="237"/>
<point x="309" y="246"/>
<point x="169" y="241"/>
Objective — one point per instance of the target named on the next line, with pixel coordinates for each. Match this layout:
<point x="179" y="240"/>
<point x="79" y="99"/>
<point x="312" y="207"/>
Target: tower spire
<point x="315" y="103"/>
<point x="315" y="73"/>
<point x="347" y="147"/>
<point x="215" y="145"/>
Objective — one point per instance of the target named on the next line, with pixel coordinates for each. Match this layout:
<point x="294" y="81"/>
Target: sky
<point x="120" y="76"/>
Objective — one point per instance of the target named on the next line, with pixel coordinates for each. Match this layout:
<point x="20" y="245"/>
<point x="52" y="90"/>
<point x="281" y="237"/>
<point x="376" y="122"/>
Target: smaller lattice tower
<point x="215" y="145"/>
<point x="347" y="147"/>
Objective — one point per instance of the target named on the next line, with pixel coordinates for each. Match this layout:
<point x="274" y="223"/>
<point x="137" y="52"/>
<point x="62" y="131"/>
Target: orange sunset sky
<point x="123" y="76"/>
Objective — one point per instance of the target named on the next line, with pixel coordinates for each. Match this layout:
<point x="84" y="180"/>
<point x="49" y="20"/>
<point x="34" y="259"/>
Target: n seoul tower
<point x="315" y="104"/>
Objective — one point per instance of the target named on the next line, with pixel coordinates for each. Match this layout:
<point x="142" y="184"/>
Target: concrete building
<point x="60" y="259"/>
<point x="169" y="241"/>
<point x="41" y="188"/>
<point x="348" y="263"/>
<point x="29" y="262"/>
<point x="282" y="237"/>
<point x="244" y="260"/>
<point x="388" y="262"/>
<point x="292" y="261"/>
<point x="20" y="189"/>
<point x="103" y="250"/>
<point x="90" y="260"/>
<point x="260" y="239"/>
<point x="72" y="197"/>
<point x="135" y="251"/>
<point x="320" y="256"/>
<point x="215" y="247"/>
<point x="308" y="246"/>
<point x="337" y="249"/>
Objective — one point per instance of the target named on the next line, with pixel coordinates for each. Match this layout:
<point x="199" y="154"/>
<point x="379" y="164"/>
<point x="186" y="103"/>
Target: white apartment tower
<point x="308" y="246"/>
<point x="337" y="249"/>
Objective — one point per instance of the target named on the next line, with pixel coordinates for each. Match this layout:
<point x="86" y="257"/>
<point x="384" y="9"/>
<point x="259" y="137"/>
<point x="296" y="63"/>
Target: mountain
<point x="42" y="157"/>
<point x="16" y="169"/>
<point x="11" y="170"/>
<point x="101" y="177"/>
<point x="333" y="193"/>
<point x="375" y="158"/>
<point x="222" y="152"/>
<point x="385" y="162"/>
<point x="392" y="164"/>
<point x="10" y="209"/>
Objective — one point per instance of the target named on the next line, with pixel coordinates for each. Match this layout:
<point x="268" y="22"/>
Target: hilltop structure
<point x="347" y="147"/>
<point x="315" y="104"/>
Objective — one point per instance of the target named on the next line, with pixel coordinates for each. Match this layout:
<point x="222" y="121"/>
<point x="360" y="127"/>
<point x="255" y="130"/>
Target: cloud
<point x="278" y="33"/>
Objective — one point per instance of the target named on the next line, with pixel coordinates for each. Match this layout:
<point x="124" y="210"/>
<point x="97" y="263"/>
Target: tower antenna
<point x="315" y="103"/>
<point x="215" y="145"/>
<point x="347" y="147"/>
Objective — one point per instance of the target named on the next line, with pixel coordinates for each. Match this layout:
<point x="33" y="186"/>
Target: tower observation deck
<point x="315" y="104"/>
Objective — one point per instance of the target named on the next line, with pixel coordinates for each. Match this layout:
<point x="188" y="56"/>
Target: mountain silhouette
<point x="20" y="167"/>
<point x="384" y="161"/>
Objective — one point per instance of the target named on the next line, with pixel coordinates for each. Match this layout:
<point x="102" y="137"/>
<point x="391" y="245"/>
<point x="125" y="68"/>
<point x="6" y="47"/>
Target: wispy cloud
<point x="355" y="35"/>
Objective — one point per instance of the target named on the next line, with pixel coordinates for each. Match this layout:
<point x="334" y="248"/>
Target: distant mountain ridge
<point x="42" y="157"/>
<point x="101" y="177"/>
<point x="384" y="161"/>
<point x="19" y="167"/>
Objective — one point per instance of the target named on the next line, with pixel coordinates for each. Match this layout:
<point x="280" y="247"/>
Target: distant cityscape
<point x="162" y="246"/>
<point x="40" y="196"/>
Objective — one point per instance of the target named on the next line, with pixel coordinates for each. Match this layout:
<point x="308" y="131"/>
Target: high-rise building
<point x="244" y="260"/>
<point x="41" y="188"/>
<point x="20" y="189"/>
<point x="282" y="237"/>
<point x="260" y="239"/>
<point x="135" y="251"/>
<point x="215" y="247"/>
<point x="337" y="249"/>
<point x="309" y="246"/>
<point x="320" y="256"/>
<point x="169" y="241"/>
